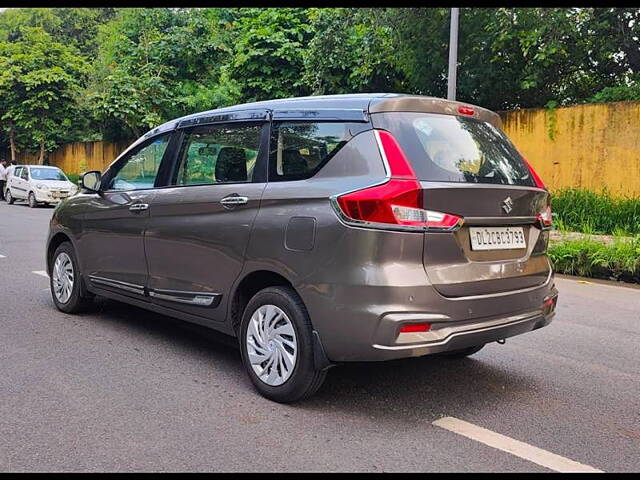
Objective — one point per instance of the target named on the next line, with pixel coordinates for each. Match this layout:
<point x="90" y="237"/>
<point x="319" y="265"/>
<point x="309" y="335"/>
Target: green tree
<point x="39" y="83"/>
<point x="70" y="26"/>
<point x="350" y="52"/>
<point x="514" y="57"/>
<point x="268" y="45"/>
<point x="156" y="64"/>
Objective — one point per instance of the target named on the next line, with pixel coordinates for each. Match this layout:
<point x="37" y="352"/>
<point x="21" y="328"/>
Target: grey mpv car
<point x="317" y="230"/>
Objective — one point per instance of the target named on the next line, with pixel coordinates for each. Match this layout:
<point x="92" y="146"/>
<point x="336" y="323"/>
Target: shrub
<point x="589" y="258"/>
<point x="585" y="211"/>
<point x="73" y="177"/>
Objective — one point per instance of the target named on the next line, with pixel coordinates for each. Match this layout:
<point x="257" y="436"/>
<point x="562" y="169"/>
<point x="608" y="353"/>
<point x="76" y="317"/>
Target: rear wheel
<point x="463" y="352"/>
<point x="65" y="281"/>
<point x="32" y="200"/>
<point x="8" y="197"/>
<point x="277" y="346"/>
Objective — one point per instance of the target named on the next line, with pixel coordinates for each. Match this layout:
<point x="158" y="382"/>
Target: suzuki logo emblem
<point x="507" y="205"/>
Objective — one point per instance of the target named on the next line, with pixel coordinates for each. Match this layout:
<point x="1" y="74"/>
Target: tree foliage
<point x="79" y="73"/>
<point x="40" y="80"/>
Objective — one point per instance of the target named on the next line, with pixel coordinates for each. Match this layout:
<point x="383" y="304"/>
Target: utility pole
<point x="453" y="55"/>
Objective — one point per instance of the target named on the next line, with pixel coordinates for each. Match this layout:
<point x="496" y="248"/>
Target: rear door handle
<point x="233" y="200"/>
<point x="139" y="207"/>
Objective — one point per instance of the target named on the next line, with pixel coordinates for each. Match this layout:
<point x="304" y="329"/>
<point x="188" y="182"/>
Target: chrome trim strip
<point x="129" y="287"/>
<point x="201" y="299"/>
<point x="489" y="221"/>
<point x="376" y="133"/>
<point x="234" y="200"/>
<point x="350" y="222"/>
<point x="529" y="317"/>
<point x="139" y="207"/>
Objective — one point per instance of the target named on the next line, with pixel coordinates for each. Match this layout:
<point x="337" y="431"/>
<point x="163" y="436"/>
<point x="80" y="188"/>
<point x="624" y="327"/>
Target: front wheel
<point x="32" y="200"/>
<point x="8" y="197"/>
<point x="277" y="346"/>
<point x="64" y="281"/>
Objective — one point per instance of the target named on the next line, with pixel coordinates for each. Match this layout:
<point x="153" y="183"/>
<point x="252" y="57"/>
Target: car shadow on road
<point x="416" y="389"/>
<point x="413" y="389"/>
<point x="153" y="326"/>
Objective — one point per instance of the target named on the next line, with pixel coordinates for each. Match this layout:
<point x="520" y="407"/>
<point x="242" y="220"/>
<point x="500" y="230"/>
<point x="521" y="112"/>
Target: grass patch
<point x="584" y="211"/>
<point x="588" y="257"/>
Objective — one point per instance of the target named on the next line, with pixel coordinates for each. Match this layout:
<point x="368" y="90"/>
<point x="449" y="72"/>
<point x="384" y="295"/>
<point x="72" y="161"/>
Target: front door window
<point x="140" y="169"/>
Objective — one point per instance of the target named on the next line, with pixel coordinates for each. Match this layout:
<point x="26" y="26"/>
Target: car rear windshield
<point x="447" y="148"/>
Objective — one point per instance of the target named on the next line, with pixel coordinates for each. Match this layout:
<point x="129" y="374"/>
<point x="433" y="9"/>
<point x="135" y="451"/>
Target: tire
<point x="8" y="197"/>
<point x="463" y="352"/>
<point x="301" y="380"/>
<point x="76" y="302"/>
<point x="32" y="200"/>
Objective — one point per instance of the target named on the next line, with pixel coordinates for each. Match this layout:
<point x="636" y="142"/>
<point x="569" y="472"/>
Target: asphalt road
<point x="123" y="389"/>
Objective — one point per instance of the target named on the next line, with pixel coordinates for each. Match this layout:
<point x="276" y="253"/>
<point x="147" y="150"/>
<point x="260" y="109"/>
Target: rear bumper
<point x="366" y="322"/>
<point x="453" y="337"/>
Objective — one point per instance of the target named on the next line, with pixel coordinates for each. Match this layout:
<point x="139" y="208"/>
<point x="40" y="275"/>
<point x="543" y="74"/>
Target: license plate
<point x="497" y="238"/>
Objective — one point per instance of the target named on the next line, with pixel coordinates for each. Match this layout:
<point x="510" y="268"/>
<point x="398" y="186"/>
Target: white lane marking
<point x="514" y="447"/>
<point x="41" y="273"/>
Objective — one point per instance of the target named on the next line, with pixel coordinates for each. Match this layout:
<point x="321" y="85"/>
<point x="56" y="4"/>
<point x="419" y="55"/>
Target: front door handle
<point x="233" y="200"/>
<point x="139" y="207"/>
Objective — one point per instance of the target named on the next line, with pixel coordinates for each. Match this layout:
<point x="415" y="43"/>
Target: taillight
<point x="394" y="156"/>
<point x="398" y="202"/>
<point x="545" y="218"/>
<point x="536" y="177"/>
<point x="549" y="304"/>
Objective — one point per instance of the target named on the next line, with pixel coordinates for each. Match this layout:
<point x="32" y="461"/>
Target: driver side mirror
<point x="91" y="180"/>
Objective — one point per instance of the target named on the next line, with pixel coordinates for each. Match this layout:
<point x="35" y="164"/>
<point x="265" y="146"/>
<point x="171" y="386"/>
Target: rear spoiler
<point x="432" y="105"/>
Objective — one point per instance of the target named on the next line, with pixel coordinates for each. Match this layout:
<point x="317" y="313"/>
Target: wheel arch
<point x="252" y="283"/>
<point x="56" y="240"/>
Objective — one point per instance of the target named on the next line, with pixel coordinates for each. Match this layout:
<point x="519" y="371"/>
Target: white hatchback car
<point x="38" y="184"/>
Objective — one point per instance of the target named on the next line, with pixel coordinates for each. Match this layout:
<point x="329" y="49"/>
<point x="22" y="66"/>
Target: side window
<point x="300" y="149"/>
<point x="17" y="172"/>
<point x="140" y="169"/>
<point x="24" y="174"/>
<point x="219" y="154"/>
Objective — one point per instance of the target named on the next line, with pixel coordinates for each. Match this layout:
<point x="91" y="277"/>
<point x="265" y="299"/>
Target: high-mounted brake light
<point x="398" y="202"/>
<point x="465" y="110"/>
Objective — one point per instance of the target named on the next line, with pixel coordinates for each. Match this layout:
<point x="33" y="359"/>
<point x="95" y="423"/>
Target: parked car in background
<point x="318" y="230"/>
<point x="38" y="184"/>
